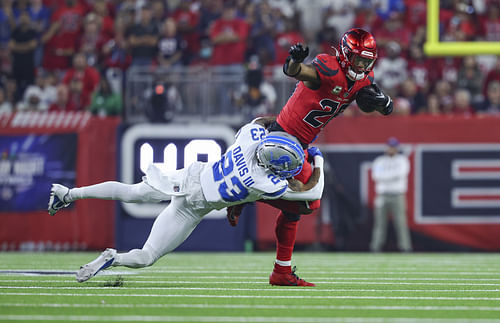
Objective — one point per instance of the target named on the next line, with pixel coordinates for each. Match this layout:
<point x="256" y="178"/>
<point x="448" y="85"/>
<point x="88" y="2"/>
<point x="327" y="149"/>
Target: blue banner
<point x="29" y="164"/>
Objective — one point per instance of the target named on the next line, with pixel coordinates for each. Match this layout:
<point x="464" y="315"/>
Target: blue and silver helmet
<point x="281" y="153"/>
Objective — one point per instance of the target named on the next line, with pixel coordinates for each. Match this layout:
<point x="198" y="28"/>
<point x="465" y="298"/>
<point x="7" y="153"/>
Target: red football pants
<point x="286" y="226"/>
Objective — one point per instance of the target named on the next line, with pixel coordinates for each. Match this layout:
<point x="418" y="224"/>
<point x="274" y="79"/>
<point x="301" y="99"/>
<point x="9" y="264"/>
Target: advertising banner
<point x="29" y="164"/>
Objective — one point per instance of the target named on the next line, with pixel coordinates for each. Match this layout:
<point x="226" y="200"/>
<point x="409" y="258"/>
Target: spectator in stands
<point x="62" y="102"/>
<point x="288" y="37"/>
<point x="92" y="40"/>
<point x="22" y="45"/>
<point x="10" y="87"/>
<point x="40" y="17"/>
<point x="32" y="101"/>
<point x="490" y="23"/>
<point x="43" y="85"/>
<point x="433" y="106"/>
<point x="256" y="97"/>
<point x="339" y="15"/>
<point x="60" y="40"/>
<point x="210" y="10"/>
<point x="104" y="101"/>
<point x="470" y="78"/>
<point x="114" y="51"/>
<point x="6" y="22"/>
<point x="463" y="25"/>
<point x="187" y="25"/>
<point x="392" y="30"/>
<point x="411" y="92"/>
<point x="5" y="106"/>
<point x="491" y="104"/>
<point x="392" y="69"/>
<point x="159" y="13"/>
<point x="493" y="75"/>
<point x="415" y="13"/>
<point x="402" y="107"/>
<point x="421" y="68"/>
<point x="229" y="38"/>
<point x="261" y="33"/>
<point x="171" y="45"/>
<point x="462" y="104"/>
<point x="443" y="91"/>
<point x="366" y="18"/>
<point x="88" y="76"/>
<point x="105" y="19"/>
<point x="77" y="97"/>
<point x="389" y="8"/>
<point x="143" y="38"/>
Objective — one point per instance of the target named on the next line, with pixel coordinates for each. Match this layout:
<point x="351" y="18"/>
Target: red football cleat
<point x="287" y="279"/>
<point x="233" y="214"/>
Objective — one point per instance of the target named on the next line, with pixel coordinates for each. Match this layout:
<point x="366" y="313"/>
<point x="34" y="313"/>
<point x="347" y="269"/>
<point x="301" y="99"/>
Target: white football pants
<point x="172" y="226"/>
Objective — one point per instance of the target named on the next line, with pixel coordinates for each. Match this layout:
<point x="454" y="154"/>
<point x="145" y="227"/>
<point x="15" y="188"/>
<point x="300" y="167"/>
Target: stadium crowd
<point x="55" y="54"/>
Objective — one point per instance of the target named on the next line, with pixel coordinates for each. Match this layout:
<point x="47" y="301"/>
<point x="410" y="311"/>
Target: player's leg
<point x="174" y="224"/>
<point x="62" y="196"/>
<point x="401" y="223"/>
<point x="379" y="231"/>
<point x="286" y="231"/>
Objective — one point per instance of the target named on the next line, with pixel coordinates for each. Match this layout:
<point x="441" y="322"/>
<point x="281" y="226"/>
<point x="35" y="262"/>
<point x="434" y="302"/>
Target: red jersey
<point x="307" y="111"/>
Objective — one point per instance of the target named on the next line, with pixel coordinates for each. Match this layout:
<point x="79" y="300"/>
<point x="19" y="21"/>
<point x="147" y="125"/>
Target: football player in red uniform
<point x="325" y="89"/>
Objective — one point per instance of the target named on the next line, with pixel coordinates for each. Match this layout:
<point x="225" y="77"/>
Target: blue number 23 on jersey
<point x="222" y="168"/>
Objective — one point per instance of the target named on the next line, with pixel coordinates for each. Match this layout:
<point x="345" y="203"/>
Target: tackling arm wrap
<point x="314" y="193"/>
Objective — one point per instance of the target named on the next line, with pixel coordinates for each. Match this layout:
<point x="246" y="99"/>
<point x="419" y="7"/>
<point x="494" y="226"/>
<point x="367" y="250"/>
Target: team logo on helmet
<point x="281" y="153"/>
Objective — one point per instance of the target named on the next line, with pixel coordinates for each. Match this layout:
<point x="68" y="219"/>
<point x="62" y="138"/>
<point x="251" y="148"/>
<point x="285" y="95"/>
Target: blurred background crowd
<point x="75" y="55"/>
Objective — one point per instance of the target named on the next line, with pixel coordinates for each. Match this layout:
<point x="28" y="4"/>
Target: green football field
<point x="233" y="287"/>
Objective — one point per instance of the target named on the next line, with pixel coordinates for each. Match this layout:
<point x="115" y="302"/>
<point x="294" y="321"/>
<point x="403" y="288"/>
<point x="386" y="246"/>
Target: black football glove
<point x="379" y="100"/>
<point x="298" y="53"/>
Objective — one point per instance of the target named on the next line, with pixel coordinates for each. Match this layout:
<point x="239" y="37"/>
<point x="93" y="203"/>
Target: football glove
<point x="371" y="98"/>
<point x="298" y="53"/>
<point x="314" y="151"/>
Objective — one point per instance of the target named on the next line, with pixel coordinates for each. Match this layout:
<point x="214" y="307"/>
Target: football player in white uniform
<point x="257" y="166"/>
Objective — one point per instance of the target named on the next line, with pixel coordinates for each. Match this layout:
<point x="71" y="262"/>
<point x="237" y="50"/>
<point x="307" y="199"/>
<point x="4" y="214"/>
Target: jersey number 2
<point x="329" y="108"/>
<point x="222" y="168"/>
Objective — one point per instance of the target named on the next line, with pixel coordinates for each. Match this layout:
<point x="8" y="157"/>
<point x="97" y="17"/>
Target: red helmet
<point x="358" y="52"/>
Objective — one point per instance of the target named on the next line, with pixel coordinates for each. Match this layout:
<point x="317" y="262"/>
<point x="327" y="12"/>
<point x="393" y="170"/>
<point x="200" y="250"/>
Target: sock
<point x="135" y="258"/>
<point x="286" y="231"/>
<point x="139" y="192"/>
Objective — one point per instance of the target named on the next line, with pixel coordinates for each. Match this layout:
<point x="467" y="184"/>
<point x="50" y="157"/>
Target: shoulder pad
<point x="326" y="65"/>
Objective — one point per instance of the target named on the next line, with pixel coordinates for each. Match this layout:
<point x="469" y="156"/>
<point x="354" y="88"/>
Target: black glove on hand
<point x="372" y="98"/>
<point x="298" y="53"/>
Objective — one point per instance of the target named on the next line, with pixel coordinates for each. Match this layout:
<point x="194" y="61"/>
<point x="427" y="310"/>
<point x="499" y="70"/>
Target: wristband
<point x="318" y="162"/>
<point x="285" y="68"/>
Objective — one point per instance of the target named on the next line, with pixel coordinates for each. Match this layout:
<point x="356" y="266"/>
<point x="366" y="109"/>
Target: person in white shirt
<point x="390" y="174"/>
<point x="256" y="166"/>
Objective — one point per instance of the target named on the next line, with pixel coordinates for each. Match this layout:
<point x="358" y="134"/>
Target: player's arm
<point x="294" y="67"/>
<point x="264" y="121"/>
<point x="313" y="189"/>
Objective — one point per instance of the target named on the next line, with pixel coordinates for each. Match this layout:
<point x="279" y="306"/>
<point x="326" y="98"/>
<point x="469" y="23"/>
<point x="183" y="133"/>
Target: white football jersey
<point x="237" y="178"/>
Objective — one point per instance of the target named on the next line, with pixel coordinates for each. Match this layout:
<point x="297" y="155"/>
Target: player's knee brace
<point x="291" y="216"/>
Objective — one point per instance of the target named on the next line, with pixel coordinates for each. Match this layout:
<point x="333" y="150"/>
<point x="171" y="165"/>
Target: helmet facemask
<point x="357" y="53"/>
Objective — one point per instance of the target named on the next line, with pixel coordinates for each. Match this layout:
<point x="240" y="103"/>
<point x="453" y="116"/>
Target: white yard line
<point x="260" y="281"/>
<point x="255" y="296"/>
<point x="260" y="306"/>
<point x="256" y="319"/>
<point x="269" y="289"/>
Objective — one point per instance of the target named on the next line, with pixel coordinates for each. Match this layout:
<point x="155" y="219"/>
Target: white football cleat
<point x="102" y="262"/>
<point x="57" y="200"/>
